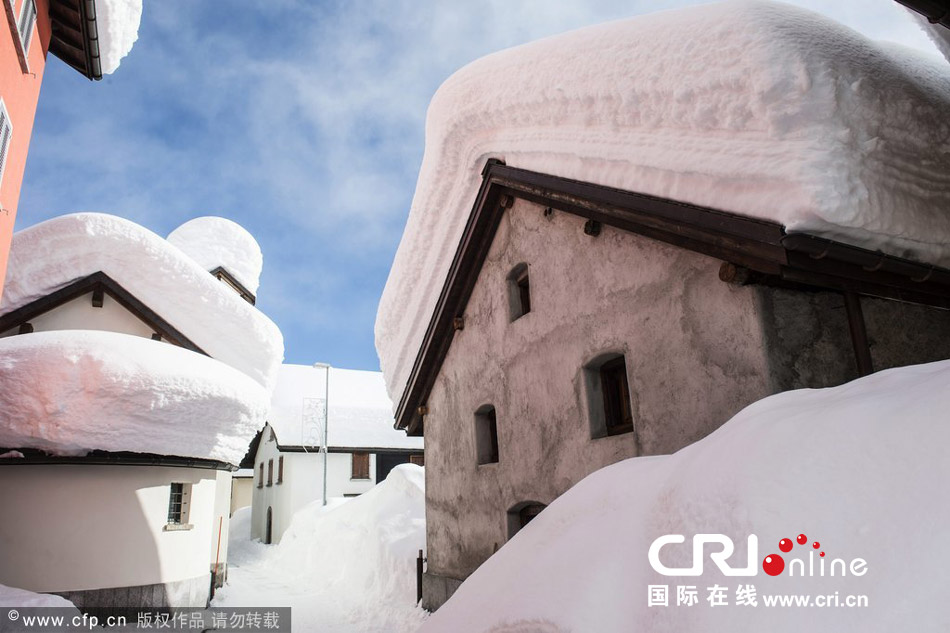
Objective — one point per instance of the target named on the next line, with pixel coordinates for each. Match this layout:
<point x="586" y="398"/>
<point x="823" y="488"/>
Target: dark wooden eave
<point x="32" y="456"/>
<point x="936" y="11"/>
<point x="222" y="274"/>
<point x="93" y="283"/>
<point x="757" y="245"/>
<point x="75" y="35"/>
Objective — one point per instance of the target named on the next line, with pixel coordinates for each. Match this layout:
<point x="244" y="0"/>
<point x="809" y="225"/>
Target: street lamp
<point x="326" y="421"/>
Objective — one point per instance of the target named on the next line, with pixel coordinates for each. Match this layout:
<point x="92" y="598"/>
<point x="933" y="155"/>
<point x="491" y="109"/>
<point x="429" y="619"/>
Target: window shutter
<point x="26" y="23"/>
<point x="6" y="132"/>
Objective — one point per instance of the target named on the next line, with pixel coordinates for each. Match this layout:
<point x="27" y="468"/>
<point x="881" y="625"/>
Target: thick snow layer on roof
<point x="342" y="569"/>
<point x="72" y="391"/>
<point x="760" y="109"/>
<point x="861" y="469"/>
<point x="117" y="22"/>
<point x="360" y="412"/>
<point x="54" y="253"/>
<point x="212" y="241"/>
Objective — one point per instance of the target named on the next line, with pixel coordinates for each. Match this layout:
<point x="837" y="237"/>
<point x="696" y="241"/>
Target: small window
<point x="26" y="23"/>
<point x="486" y="435"/>
<point x="519" y="292"/>
<point x="360" y="466"/>
<point x="260" y="478"/>
<point x="609" y="396"/>
<point x="521" y="514"/>
<point x="280" y="469"/>
<point x="6" y="134"/>
<point x="179" y="503"/>
<point x="270" y="472"/>
<point x="418" y="460"/>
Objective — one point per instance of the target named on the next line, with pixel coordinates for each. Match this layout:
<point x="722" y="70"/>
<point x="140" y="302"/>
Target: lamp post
<point x="326" y="421"/>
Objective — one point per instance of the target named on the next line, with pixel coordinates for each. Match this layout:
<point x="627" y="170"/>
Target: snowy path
<point x="349" y="569"/>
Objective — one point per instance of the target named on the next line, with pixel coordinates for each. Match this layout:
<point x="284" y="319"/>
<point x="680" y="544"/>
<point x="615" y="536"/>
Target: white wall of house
<point x="81" y="527"/>
<point x="242" y="492"/>
<point x="81" y="314"/>
<point x="222" y="517"/>
<point x="302" y="483"/>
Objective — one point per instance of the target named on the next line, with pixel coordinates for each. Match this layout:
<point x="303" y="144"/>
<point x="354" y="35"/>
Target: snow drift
<point x="69" y="392"/>
<point x="212" y="241"/>
<point x="348" y="568"/>
<point x="760" y="109"/>
<point x="859" y="468"/>
<point x="13" y="597"/>
<point x="52" y="254"/>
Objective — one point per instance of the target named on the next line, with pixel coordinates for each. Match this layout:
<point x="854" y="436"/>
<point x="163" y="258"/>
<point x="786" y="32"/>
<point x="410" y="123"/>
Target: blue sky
<point x="304" y="122"/>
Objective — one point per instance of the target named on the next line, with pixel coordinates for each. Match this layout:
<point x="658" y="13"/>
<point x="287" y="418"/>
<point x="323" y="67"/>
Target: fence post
<point x="419" y="561"/>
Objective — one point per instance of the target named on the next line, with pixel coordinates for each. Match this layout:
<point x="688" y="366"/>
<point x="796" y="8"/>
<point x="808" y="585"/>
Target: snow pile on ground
<point x="117" y="23"/>
<point x="69" y="392"/>
<point x="13" y="597"/>
<point x="760" y="109"/>
<point x="52" y="254"/>
<point x="349" y="568"/>
<point x="360" y="412"/>
<point x="212" y="242"/>
<point x="861" y="469"/>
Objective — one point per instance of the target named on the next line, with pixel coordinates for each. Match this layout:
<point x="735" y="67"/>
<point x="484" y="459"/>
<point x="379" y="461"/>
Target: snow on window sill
<point x="177" y="527"/>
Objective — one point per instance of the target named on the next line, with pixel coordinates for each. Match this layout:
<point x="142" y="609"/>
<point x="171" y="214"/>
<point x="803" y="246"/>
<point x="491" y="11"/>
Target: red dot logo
<point x="773" y="565"/>
<point x="816" y="544"/>
<point x="822" y="554"/>
<point x="802" y="539"/>
<point x="785" y="545"/>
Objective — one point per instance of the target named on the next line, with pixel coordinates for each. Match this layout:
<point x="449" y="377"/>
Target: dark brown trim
<point x="936" y="11"/>
<point x="859" y="334"/>
<point x="75" y="35"/>
<point x="757" y="245"/>
<point x="222" y="274"/>
<point x="93" y="283"/>
<point x="106" y="458"/>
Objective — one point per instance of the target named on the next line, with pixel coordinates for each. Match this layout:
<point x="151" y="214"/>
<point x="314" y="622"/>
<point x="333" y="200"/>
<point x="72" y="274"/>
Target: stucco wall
<point x="693" y="353"/>
<point x="83" y="527"/>
<point x="242" y="491"/>
<point x="81" y="314"/>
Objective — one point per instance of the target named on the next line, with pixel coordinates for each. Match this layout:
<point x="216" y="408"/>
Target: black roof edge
<point x="109" y="458"/>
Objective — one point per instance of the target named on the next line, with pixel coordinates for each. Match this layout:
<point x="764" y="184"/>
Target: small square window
<point x="519" y="292"/>
<point x="418" y="460"/>
<point x="486" y="435"/>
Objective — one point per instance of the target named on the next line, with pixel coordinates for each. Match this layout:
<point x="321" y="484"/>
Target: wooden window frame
<point x="615" y="392"/>
<point x="260" y="477"/>
<point x="280" y="470"/>
<point x="359" y="470"/>
<point x="418" y="460"/>
<point x="179" y="506"/>
<point x="270" y="472"/>
<point x="24" y="30"/>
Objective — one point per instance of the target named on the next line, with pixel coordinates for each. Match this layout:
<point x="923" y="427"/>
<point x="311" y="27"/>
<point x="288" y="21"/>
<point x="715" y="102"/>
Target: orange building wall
<point x="20" y="93"/>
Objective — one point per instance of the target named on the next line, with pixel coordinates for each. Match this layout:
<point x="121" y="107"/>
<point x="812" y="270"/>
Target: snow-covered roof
<point x="69" y="392"/>
<point x="54" y="253"/>
<point x="117" y="22"/>
<point x="854" y="468"/>
<point x="760" y="109"/>
<point x="213" y="241"/>
<point x="360" y="412"/>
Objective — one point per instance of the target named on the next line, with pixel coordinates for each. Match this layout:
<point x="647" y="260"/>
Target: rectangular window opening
<point x="270" y="472"/>
<point x="618" y="416"/>
<point x="280" y="469"/>
<point x="179" y="504"/>
<point x="26" y="23"/>
<point x="486" y="436"/>
<point x="360" y="466"/>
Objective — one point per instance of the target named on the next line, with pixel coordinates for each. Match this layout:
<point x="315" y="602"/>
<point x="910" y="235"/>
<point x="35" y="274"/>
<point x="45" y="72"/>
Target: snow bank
<point x="69" y="392"/>
<point x="360" y="411"/>
<point x="212" y="241"/>
<point x="860" y="468"/>
<point x="350" y="568"/>
<point x="13" y="597"/>
<point x="117" y="22"/>
<point x="52" y="254"/>
<point x="760" y="109"/>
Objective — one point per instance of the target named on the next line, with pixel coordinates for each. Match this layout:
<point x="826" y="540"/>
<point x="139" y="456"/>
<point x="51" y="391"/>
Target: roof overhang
<point x="75" y="35"/>
<point x="936" y="11"/>
<point x="762" y="247"/>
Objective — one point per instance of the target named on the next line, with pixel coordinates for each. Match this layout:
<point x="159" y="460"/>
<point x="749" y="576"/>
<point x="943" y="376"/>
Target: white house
<point x="623" y="235"/>
<point x="289" y="463"/>
<point x="132" y="382"/>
